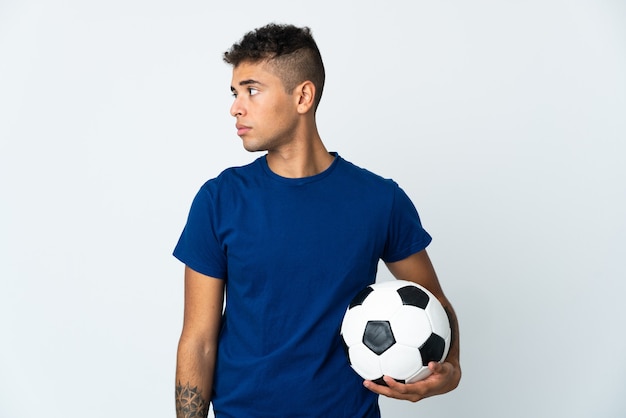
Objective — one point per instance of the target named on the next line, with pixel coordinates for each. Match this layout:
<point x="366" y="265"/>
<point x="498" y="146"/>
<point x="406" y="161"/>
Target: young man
<point x="290" y="239"/>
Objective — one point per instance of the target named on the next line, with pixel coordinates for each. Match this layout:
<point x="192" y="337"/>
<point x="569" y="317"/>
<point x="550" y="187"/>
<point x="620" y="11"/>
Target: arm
<point x="204" y="297"/>
<point x="445" y="376"/>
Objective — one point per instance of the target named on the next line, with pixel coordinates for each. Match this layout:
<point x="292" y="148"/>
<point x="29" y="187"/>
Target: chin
<point x="253" y="147"/>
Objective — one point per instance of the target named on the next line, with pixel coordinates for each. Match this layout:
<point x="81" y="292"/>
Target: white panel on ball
<point x="411" y="326"/>
<point x="401" y="361"/>
<point x="365" y="362"/>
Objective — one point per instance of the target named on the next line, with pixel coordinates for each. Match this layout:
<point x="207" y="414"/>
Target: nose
<point x="237" y="108"/>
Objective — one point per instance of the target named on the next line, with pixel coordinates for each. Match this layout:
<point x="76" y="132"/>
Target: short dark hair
<point x="291" y="51"/>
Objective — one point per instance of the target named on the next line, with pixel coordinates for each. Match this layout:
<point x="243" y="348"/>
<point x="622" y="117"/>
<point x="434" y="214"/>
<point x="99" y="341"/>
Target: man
<point x="290" y="239"/>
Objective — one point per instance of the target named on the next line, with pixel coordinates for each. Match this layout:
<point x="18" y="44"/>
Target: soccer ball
<point x="395" y="328"/>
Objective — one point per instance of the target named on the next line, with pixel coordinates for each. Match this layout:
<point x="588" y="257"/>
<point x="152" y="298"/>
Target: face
<point x="266" y="114"/>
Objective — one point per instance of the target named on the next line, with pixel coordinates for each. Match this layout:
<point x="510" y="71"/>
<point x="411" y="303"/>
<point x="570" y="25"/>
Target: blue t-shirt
<point x="293" y="253"/>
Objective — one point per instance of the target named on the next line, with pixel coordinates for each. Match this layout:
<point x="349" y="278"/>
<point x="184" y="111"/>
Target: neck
<point x="304" y="158"/>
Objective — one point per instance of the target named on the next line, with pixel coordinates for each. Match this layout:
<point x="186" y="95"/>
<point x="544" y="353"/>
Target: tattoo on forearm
<point x="189" y="402"/>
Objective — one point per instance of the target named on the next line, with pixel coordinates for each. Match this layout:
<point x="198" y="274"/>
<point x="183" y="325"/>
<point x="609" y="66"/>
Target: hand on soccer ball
<point x="444" y="378"/>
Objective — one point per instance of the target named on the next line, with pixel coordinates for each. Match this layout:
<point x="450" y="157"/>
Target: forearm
<point x="194" y="379"/>
<point x="454" y="351"/>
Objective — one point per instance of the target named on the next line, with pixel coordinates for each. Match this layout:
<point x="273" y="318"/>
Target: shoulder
<point x="366" y="177"/>
<point x="384" y="190"/>
<point x="232" y="176"/>
<point x="225" y="188"/>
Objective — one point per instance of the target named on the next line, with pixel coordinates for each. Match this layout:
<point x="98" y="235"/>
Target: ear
<point x="305" y="96"/>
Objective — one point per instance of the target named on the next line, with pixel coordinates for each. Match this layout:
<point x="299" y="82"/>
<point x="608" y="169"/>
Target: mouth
<point x="242" y="129"/>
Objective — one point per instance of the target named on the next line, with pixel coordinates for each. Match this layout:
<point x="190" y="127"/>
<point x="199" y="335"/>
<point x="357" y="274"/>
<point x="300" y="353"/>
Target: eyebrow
<point x="247" y="83"/>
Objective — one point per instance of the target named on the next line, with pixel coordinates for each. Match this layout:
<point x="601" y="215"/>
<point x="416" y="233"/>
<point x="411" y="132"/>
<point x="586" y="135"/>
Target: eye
<point x="252" y="91"/>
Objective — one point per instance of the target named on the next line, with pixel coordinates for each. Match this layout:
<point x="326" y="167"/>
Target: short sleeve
<point x="405" y="235"/>
<point x="198" y="246"/>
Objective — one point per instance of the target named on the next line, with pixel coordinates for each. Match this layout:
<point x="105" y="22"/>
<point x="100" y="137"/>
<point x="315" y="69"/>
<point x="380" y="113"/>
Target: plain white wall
<point x="505" y="122"/>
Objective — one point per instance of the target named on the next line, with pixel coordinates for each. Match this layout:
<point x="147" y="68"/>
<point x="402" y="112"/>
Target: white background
<point x="505" y="122"/>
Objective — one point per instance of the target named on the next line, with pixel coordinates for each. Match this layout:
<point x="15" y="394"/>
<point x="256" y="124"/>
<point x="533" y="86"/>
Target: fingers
<point x="394" y="385"/>
<point x="437" y="383"/>
<point x="436" y="367"/>
<point x="395" y="389"/>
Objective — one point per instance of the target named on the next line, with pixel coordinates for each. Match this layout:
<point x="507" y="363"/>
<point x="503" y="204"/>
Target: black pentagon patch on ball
<point x="360" y="297"/>
<point x="413" y="296"/>
<point x="433" y="349"/>
<point x="378" y="336"/>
